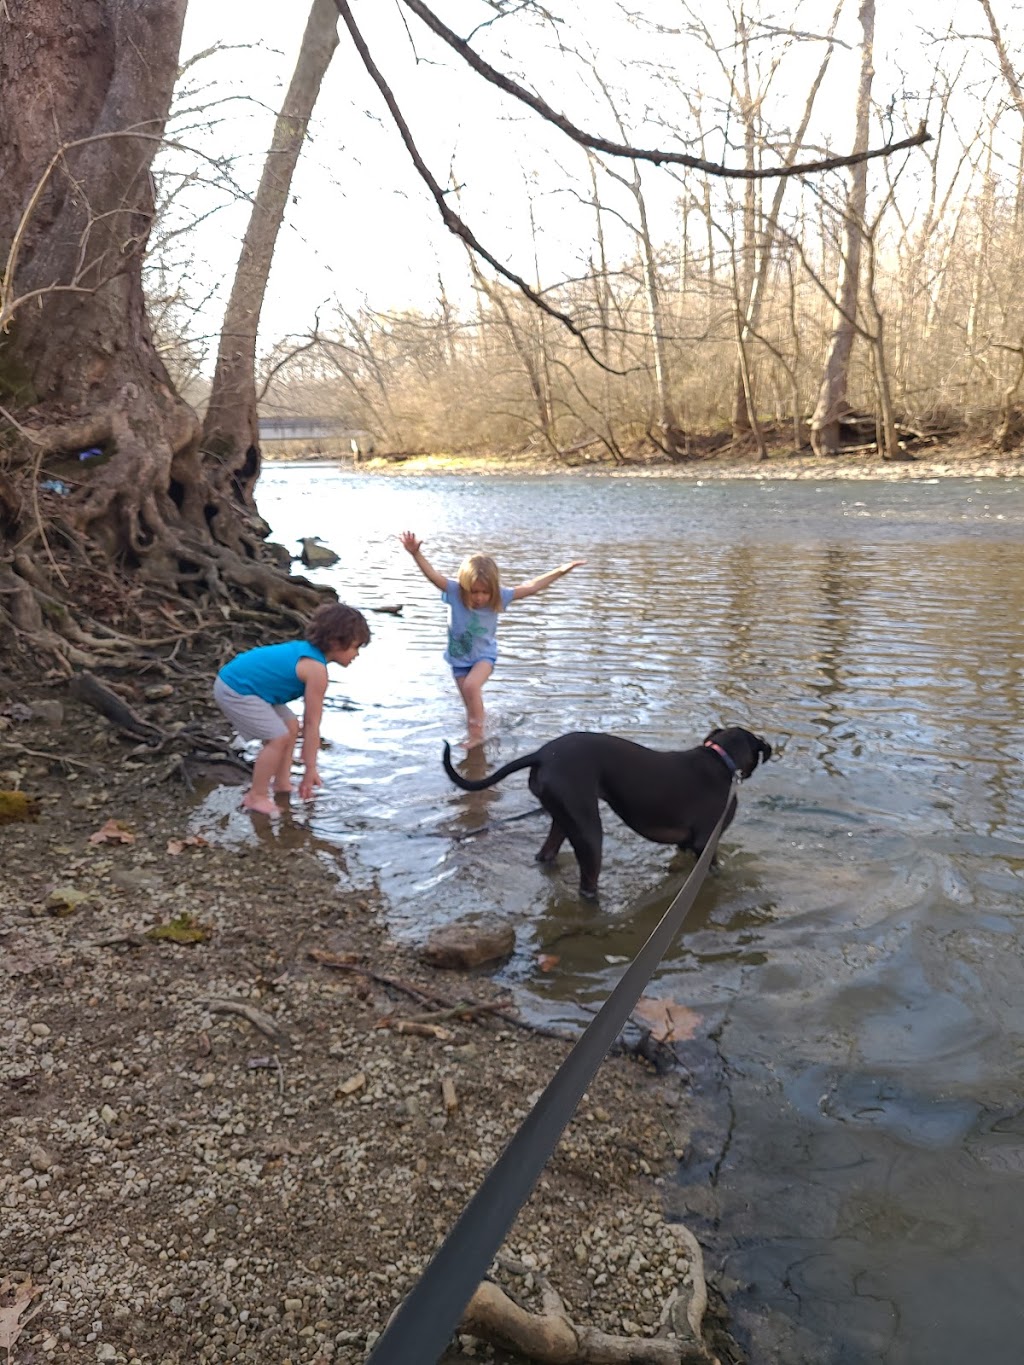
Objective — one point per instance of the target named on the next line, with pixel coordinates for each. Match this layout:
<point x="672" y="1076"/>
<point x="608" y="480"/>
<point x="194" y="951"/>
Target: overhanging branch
<point x="656" y="157"/>
<point x="451" y="220"/>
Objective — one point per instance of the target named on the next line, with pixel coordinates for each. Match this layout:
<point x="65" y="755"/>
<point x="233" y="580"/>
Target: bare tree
<point x="230" y="440"/>
<point x="832" y="395"/>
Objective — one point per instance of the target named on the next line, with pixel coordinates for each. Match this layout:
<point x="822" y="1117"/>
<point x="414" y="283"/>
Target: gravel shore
<point x="962" y="458"/>
<point x="230" y="1150"/>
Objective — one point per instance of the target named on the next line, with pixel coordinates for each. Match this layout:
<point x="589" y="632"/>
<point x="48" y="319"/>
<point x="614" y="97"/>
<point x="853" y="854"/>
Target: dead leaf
<point x="545" y="961"/>
<point x="14" y="1317"/>
<point x="113" y="832"/>
<point x="176" y="846"/>
<point x="17" y="806"/>
<point x="21" y="958"/>
<point x="353" y="1084"/>
<point x="668" y="1022"/>
<point x="182" y="928"/>
<point x="448" y="1095"/>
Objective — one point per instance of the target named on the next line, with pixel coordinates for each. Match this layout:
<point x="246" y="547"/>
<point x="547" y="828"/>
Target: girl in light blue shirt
<point x="475" y="598"/>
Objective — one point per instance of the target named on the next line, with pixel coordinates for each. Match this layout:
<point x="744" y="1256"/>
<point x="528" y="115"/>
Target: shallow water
<point x="857" y="1170"/>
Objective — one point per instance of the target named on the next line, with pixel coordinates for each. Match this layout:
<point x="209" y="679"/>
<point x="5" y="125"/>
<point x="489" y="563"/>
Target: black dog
<point x="670" y="798"/>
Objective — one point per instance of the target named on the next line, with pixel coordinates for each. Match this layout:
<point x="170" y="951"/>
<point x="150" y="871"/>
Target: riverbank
<point x="959" y="459"/>
<point x="238" y="1118"/>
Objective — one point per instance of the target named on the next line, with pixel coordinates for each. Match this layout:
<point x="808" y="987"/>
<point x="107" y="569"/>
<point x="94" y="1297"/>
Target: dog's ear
<point x="712" y="738"/>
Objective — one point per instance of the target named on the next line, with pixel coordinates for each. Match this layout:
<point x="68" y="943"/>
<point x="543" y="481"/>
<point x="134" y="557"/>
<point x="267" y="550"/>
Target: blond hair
<point x="480" y="569"/>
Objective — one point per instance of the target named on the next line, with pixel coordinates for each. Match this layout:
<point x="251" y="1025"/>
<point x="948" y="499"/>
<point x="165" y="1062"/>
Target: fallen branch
<point x="91" y="691"/>
<point x="53" y="758"/>
<point x="463" y="1009"/>
<point x="417" y="1027"/>
<point x="116" y="939"/>
<point x="552" y="1338"/>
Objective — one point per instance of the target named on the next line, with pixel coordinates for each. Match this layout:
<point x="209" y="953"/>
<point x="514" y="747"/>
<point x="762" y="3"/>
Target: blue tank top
<point x="269" y="671"/>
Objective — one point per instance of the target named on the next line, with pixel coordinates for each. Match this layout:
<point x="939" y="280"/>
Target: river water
<point x="856" y="1172"/>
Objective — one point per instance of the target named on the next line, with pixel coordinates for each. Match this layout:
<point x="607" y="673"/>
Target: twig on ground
<point x="125" y="936"/>
<point x="465" y="1009"/>
<point x="263" y="1022"/>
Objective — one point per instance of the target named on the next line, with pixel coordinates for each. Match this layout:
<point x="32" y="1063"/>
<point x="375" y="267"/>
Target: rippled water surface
<point x="857" y="1166"/>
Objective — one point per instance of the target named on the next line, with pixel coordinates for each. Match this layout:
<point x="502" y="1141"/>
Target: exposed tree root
<point x="552" y="1338"/>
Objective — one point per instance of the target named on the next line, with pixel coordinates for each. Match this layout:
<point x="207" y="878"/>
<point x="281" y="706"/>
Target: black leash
<point x="494" y="824"/>
<point x="421" y="1328"/>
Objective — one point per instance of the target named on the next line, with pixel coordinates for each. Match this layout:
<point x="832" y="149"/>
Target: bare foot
<point x="473" y="740"/>
<point x="283" y="789"/>
<point x="259" y="805"/>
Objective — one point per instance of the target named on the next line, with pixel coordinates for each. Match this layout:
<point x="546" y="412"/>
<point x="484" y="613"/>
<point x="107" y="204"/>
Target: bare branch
<point x="451" y="220"/>
<point x="656" y="157"/>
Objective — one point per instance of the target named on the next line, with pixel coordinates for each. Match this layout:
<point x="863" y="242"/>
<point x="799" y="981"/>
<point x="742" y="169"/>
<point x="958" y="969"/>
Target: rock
<point x="316" y="556"/>
<point x="159" y="691"/>
<point x="50" y="712"/>
<point x="464" y="944"/>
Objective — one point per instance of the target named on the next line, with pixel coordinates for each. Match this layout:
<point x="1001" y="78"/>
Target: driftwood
<point x="552" y="1338"/>
<point x="263" y="1022"/>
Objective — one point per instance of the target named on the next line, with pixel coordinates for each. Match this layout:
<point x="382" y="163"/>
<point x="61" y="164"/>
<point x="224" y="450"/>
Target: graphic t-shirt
<point x="472" y="632"/>
<point x="269" y="671"/>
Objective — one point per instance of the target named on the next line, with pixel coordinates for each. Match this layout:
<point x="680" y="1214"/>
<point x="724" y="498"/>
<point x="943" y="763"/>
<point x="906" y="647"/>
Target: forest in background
<point x="748" y="307"/>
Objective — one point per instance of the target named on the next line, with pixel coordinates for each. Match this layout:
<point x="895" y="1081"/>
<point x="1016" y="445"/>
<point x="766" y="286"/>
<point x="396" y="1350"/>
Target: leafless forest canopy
<point x="708" y="305"/>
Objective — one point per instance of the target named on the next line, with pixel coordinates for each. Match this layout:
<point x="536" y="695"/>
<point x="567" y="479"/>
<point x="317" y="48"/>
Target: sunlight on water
<point x="858" y="962"/>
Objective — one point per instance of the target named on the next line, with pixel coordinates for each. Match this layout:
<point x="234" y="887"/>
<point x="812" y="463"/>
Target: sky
<point x="361" y="228"/>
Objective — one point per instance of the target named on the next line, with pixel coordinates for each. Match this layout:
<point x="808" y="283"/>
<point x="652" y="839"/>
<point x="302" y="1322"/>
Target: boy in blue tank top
<point x="252" y="690"/>
<point x="475" y="599"/>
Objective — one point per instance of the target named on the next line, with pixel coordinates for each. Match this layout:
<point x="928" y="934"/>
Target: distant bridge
<point x="308" y="429"/>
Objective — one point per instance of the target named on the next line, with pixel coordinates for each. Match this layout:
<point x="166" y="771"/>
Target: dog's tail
<point x="477" y="785"/>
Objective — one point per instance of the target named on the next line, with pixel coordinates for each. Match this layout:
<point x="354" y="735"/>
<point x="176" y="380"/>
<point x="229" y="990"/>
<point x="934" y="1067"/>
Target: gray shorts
<point x="251" y="716"/>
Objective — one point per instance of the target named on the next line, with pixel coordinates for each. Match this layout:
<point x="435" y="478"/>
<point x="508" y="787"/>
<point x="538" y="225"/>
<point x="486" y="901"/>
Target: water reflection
<point x="857" y="963"/>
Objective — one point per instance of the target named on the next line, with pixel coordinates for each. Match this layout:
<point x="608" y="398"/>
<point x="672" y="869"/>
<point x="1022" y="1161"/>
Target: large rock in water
<point x="469" y="943"/>
<point x="316" y="556"/>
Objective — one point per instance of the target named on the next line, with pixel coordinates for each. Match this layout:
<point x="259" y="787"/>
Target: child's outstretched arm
<point x="314" y="676"/>
<point x="545" y="580"/>
<point x="408" y="539"/>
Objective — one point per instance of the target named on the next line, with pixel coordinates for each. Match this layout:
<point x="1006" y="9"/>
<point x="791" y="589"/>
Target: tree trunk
<point x="832" y="395"/>
<point x="230" y="431"/>
<point x="85" y="87"/>
<point x="759" y="284"/>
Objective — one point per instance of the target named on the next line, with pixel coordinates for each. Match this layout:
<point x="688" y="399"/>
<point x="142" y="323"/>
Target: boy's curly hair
<point x="339" y="626"/>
